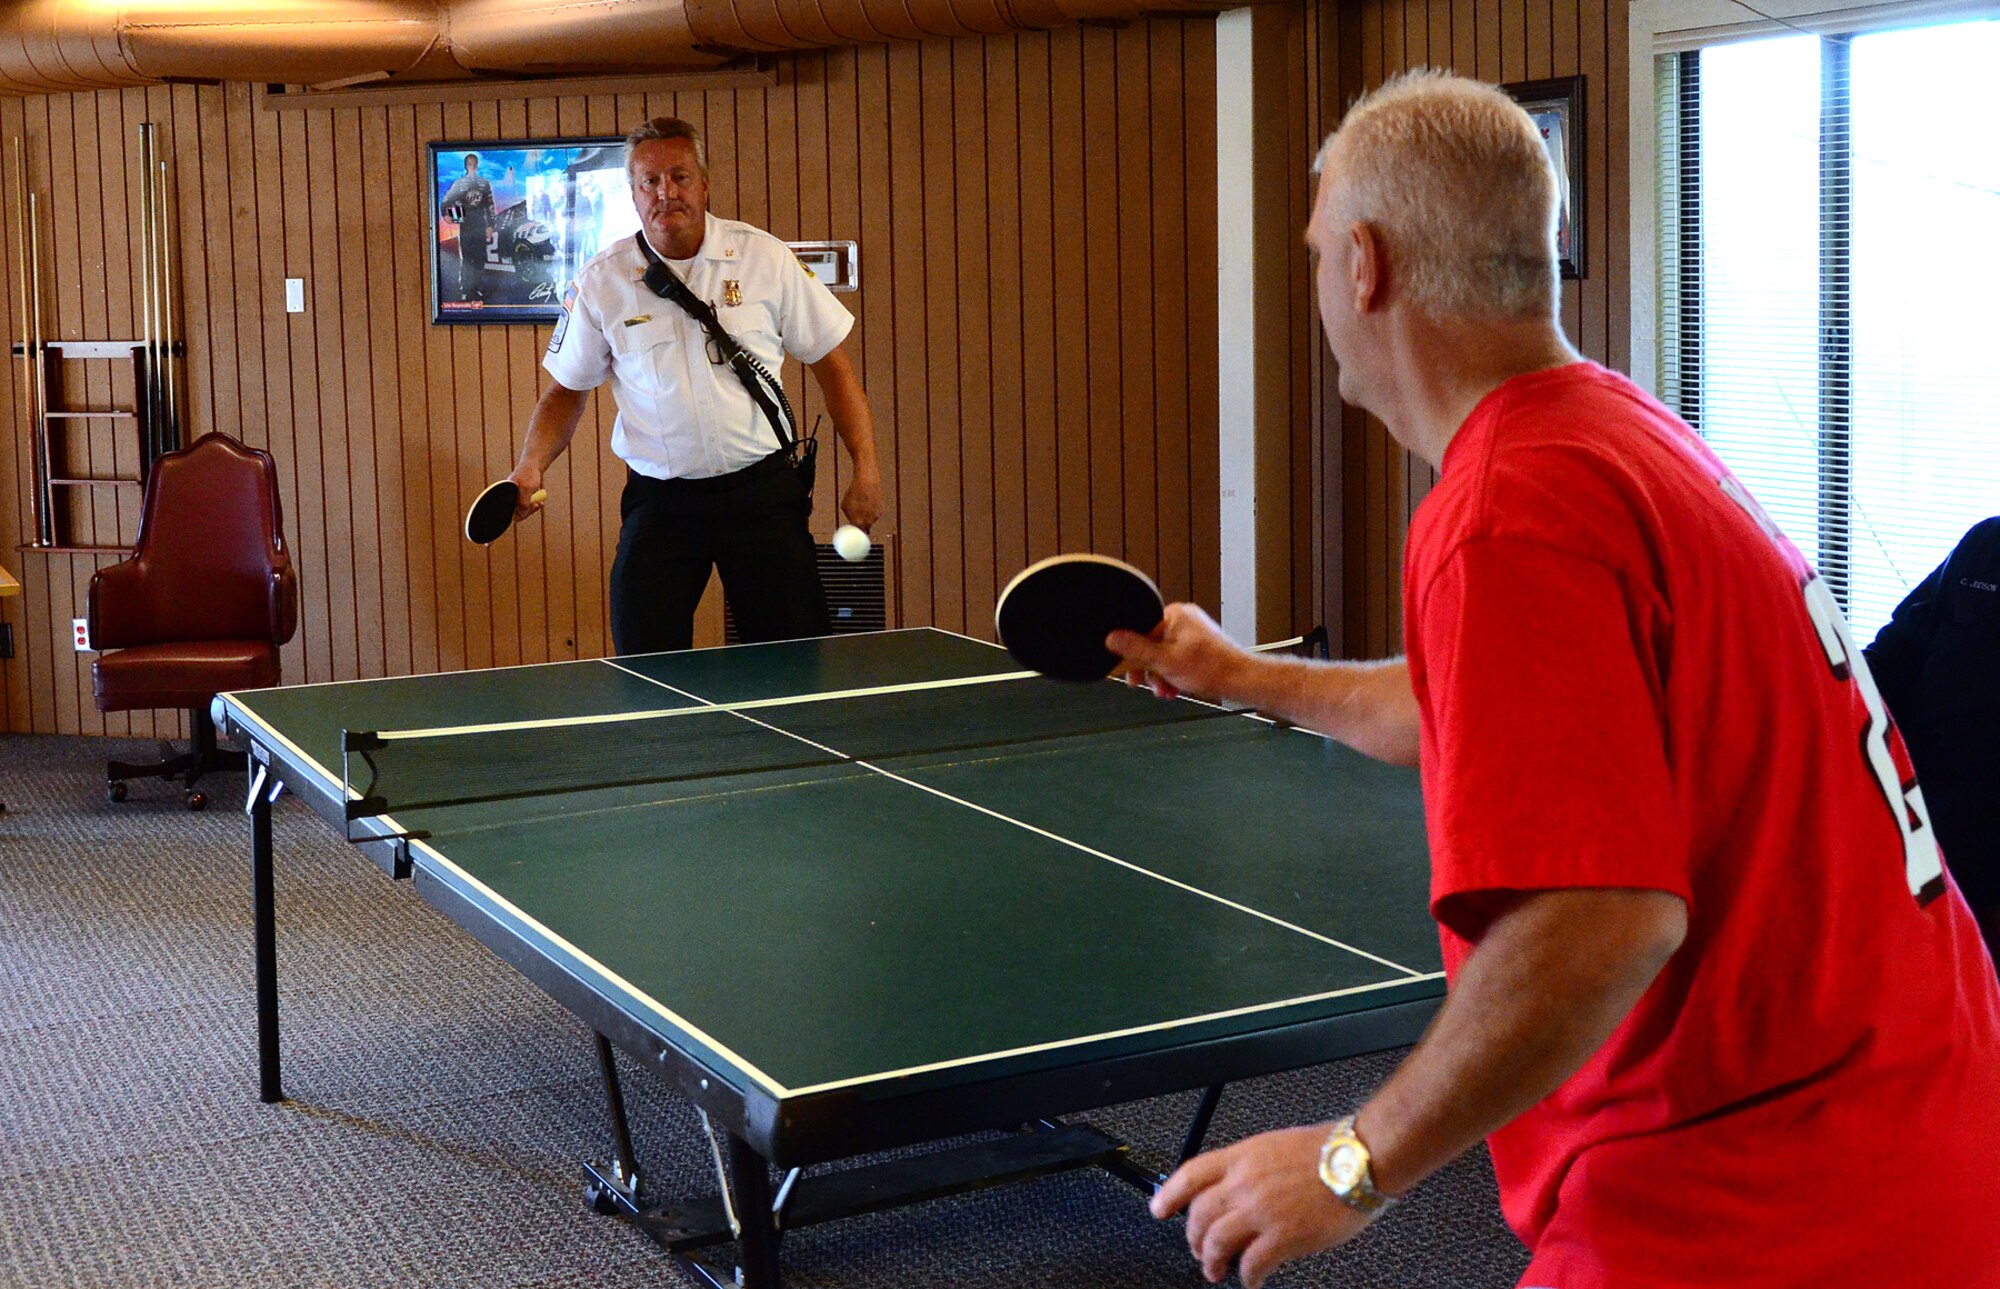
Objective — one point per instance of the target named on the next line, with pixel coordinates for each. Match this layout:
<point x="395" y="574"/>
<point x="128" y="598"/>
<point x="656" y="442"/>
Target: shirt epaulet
<point x="748" y="234"/>
<point x="622" y="246"/>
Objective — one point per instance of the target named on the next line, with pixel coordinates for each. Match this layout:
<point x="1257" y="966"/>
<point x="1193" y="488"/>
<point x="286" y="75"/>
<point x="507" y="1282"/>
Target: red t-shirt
<point x="1627" y="681"/>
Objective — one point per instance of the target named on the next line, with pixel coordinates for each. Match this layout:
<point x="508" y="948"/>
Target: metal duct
<point x="774" y="25"/>
<point x="53" y="46"/>
<point x="59" y="46"/>
<point x="288" y="41"/>
<point x="536" y="37"/>
<point x="56" y="46"/>
<point x="40" y="52"/>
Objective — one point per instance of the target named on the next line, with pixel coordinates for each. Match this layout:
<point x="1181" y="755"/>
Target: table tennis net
<point x="403" y="771"/>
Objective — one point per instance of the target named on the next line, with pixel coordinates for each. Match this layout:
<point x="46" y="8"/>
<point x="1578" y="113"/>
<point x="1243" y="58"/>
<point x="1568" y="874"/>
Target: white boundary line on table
<point x="500" y="901"/>
<point x="777" y="1089"/>
<point x="1409" y="975"/>
<point x="579" y="662"/>
<point x="1181" y="1022"/>
<point x="701" y="707"/>
<point x="707" y="707"/>
<point x="1058" y="838"/>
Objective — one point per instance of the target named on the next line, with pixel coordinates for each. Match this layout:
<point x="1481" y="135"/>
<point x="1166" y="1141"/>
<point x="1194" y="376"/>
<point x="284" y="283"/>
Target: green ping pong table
<point x="954" y="899"/>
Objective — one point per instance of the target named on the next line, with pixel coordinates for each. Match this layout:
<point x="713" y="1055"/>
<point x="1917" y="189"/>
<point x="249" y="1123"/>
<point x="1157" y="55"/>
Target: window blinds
<point x="1829" y="279"/>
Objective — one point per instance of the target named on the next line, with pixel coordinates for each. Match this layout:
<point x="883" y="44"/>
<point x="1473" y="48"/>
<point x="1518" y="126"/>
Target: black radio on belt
<point x="766" y="390"/>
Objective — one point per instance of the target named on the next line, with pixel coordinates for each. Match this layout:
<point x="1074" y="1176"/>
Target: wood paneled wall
<point x="1037" y="252"/>
<point x="1371" y="485"/>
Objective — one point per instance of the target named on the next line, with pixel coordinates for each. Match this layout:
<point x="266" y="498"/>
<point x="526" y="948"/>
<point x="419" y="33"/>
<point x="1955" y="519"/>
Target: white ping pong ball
<point x="850" y="543"/>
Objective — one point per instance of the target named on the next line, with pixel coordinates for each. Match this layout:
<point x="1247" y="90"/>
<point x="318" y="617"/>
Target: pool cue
<point x="40" y="496"/>
<point x="167" y="308"/>
<point x="148" y="373"/>
<point x="41" y="381"/>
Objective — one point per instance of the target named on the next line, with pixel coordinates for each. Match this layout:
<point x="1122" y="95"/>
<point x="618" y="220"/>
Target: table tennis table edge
<point x="743" y="1097"/>
<point x="818" y="1127"/>
<point x="326" y="798"/>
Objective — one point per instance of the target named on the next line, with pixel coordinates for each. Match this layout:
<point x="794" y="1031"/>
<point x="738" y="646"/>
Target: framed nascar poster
<point x="513" y="221"/>
<point x="1556" y="108"/>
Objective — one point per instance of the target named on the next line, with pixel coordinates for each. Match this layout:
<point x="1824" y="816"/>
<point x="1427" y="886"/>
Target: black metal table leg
<point x="750" y="1196"/>
<point x="621" y="1129"/>
<point x="1127" y="1169"/>
<point x="264" y="919"/>
<point x="1198" y="1127"/>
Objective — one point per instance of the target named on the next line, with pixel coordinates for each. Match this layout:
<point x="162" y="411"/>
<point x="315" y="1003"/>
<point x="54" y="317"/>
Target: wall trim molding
<point x="749" y="72"/>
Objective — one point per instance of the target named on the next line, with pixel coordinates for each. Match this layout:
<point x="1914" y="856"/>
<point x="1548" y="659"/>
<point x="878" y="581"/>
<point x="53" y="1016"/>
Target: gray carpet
<point x="441" y="1104"/>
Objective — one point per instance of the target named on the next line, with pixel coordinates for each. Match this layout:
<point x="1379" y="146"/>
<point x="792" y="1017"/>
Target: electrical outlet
<point x="80" y="630"/>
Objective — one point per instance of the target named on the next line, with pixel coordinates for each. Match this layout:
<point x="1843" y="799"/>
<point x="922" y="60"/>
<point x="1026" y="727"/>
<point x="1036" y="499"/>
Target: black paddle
<point x="1054" y="615"/>
<point x="493" y="513"/>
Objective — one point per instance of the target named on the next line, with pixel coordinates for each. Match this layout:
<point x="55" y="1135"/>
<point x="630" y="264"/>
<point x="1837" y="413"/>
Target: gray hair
<point x="666" y="127"/>
<point x="1454" y="178"/>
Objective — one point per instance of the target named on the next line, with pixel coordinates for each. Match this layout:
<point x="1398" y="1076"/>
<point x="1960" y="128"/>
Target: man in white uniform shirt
<point x="708" y="484"/>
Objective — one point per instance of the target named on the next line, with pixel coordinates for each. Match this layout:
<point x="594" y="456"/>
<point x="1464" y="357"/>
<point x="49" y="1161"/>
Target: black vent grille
<point x="857" y="594"/>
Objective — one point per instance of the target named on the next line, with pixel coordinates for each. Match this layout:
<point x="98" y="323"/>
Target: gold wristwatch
<point x="1344" y="1165"/>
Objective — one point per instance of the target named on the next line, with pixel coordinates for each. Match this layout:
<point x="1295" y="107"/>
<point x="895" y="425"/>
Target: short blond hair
<point x="1453" y="177"/>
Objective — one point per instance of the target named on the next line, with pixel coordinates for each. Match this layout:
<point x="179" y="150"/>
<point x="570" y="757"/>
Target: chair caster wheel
<point x="197" y="801"/>
<point x="600" y="1200"/>
<point x="115" y="790"/>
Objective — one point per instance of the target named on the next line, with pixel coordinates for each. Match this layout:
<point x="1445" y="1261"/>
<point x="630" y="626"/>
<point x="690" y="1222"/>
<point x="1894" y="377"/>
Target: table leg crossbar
<point x="744" y="1211"/>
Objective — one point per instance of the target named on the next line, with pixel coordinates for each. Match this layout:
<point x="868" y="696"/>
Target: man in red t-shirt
<point x="1716" y="1007"/>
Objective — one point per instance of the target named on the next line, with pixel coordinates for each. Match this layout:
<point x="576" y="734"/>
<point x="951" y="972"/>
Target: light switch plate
<point x="295" y="295"/>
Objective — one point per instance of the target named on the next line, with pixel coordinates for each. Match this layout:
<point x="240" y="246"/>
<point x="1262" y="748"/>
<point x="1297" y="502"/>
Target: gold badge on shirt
<point x="732" y="292"/>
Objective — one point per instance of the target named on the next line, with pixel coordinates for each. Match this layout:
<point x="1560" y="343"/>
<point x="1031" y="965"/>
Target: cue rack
<point x="155" y="417"/>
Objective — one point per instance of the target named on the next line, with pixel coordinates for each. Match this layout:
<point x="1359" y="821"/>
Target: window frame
<point x="1666" y="40"/>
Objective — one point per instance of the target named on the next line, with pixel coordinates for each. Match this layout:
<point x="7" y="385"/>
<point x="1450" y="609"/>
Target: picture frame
<point x="548" y="205"/>
<point x="1556" y="107"/>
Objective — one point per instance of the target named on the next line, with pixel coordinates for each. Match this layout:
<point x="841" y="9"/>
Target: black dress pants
<point x="751" y="525"/>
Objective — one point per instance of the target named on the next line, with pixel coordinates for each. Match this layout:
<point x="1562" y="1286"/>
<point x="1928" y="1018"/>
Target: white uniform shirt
<point x="681" y="416"/>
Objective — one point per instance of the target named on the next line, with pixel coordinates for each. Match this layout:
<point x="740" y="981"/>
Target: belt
<point x="779" y="460"/>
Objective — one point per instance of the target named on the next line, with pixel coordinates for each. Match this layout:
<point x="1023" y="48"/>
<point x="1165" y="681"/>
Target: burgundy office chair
<point x="201" y="606"/>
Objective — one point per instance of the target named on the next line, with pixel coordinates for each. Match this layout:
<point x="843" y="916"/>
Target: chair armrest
<point x="284" y="601"/>
<point x="120" y="607"/>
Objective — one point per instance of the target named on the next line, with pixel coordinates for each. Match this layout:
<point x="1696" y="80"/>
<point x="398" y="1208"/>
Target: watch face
<point x="1344" y="1166"/>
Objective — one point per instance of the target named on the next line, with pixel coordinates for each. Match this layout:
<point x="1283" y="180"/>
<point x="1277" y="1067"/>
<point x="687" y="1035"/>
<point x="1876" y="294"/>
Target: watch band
<point x="1347" y="1169"/>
